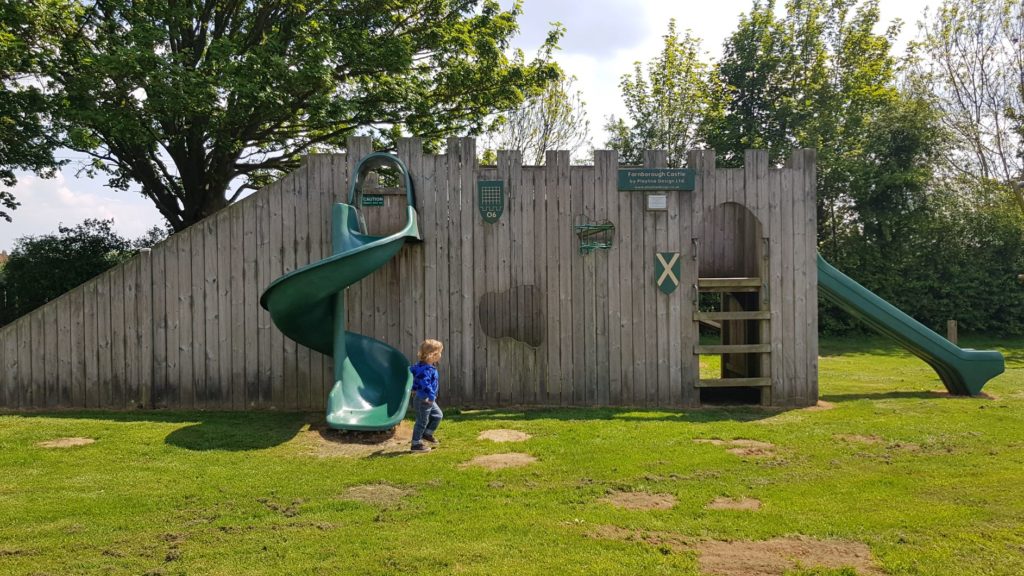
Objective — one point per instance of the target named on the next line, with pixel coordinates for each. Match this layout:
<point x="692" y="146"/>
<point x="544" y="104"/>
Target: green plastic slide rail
<point x="371" y="378"/>
<point x="963" y="371"/>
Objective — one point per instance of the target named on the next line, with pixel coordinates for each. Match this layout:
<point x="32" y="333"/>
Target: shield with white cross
<point x="667" y="268"/>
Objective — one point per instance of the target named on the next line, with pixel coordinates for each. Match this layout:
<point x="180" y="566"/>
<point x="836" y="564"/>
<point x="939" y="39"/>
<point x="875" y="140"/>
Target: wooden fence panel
<point x="180" y="326"/>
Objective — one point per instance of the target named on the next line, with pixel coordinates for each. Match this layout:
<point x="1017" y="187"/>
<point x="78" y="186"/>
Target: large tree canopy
<point x="196" y="100"/>
<point x="25" y="141"/>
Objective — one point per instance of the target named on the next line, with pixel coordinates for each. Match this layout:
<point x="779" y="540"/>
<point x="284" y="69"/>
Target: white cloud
<point x="65" y="199"/>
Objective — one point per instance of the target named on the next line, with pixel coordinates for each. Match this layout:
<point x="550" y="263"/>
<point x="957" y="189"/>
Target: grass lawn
<point x="930" y="484"/>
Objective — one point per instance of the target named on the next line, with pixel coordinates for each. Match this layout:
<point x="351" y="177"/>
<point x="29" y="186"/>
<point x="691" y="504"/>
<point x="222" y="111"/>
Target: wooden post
<point x="951" y="331"/>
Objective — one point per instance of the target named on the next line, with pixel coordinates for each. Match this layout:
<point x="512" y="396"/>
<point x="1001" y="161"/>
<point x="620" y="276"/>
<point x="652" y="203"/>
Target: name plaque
<point x="656" y="179"/>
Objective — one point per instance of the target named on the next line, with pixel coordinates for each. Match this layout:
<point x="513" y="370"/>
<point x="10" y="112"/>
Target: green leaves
<point x="666" y="106"/>
<point x="183" y="100"/>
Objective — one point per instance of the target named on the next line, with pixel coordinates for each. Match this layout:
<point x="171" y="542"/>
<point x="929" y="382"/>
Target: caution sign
<point x="667" y="270"/>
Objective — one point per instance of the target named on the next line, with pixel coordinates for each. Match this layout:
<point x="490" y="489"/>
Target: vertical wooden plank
<point x="170" y="396"/>
<point x="430" y="229"/>
<point x="659" y="159"/>
<point x="674" y="321"/>
<point x="12" y="365"/>
<point x="288" y="248"/>
<point x="232" y="329"/>
<point x="447" y="222"/>
<point x="607" y="162"/>
<point x="442" y="245"/>
<point x="552" y="257"/>
<point x="624" y="246"/>
<point x="799" y="235"/>
<point x="811" y="269"/>
<point x="145" y="328"/>
<point x="51" y="384"/>
<point x="77" y="348"/>
<point x="6" y="387"/>
<point x="264" y="325"/>
<point x="90" y="320"/>
<point x="314" y="214"/>
<point x="577" y="264"/>
<point x="131" y="340"/>
<point x="251" y="308"/>
<point x="201" y="329"/>
<point x="117" y="337"/>
<point x="29" y="395"/>
<point x="641" y="287"/>
<point x="275" y="270"/>
<point x="756" y="185"/>
<point x="63" y="305"/>
<point x="469" y="225"/>
<point x="540" y="261"/>
<point x="689" y="370"/>
<point x="600" y="288"/>
<point x="300" y="196"/>
<point x="104" y="338"/>
<point x="775" y="288"/>
<point x="788" y="278"/>
<point x="218" y="310"/>
<point x="525" y="237"/>
<point x="158" y="290"/>
<point x="189" y="331"/>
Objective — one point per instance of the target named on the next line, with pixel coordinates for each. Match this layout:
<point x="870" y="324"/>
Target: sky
<point x="603" y="40"/>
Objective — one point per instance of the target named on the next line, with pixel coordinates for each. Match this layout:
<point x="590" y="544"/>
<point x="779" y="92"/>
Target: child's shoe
<point x="430" y="439"/>
<point x="420" y="448"/>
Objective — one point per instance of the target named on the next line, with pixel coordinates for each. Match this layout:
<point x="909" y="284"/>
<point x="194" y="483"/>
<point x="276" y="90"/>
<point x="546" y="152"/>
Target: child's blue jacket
<point x="424" y="381"/>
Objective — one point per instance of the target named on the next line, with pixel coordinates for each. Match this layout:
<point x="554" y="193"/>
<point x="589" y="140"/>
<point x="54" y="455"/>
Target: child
<point x="424" y="384"/>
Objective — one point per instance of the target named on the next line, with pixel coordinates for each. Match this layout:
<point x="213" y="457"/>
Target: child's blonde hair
<point x="430" y="351"/>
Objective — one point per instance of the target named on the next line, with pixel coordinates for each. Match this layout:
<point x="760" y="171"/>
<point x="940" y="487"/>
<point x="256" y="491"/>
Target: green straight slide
<point x="963" y="371"/>
<point x="371" y="379"/>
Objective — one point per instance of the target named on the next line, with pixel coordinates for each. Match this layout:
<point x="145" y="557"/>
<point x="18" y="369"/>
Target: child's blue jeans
<point x="428" y="417"/>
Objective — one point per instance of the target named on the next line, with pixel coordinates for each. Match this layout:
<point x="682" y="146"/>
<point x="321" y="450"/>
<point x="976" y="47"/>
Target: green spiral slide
<point x="963" y="371"/>
<point x="371" y="378"/>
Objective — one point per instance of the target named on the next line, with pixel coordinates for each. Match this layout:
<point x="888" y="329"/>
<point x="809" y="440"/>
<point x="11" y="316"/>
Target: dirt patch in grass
<point x="821" y="406"/>
<point x="859" y="438"/>
<point x="753" y="558"/>
<point x="499" y="461"/>
<point x="663" y="540"/>
<point x="742" y="446"/>
<point x="66" y="442"/>
<point x="287" y="510"/>
<point x="327" y="442"/>
<point x="640" y="500"/>
<point x="377" y="494"/>
<point x="774" y="557"/>
<point x="723" y="503"/>
<point x="503" y="435"/>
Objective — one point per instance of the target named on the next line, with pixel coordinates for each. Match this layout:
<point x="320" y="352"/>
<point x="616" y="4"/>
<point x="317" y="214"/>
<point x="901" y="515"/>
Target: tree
<point x="25" y="143"/>
<point x="667" y="106"/>
<point x="554" y="119"/>
<point x="195" y="102"/>
<point x="41" y="268"/>
<point x="971" y="60"/>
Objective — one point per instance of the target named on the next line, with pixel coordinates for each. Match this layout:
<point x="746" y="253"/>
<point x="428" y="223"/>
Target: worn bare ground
<point x="499" y="461"/>
<point x="669" y="540"/>
<point x="65" y="442"/>
<point x="859" y="438"/>
<point x="820" y="406"/>
<point x="742" y="446"/>
<point x="640" y="500"/>
<point x="326" y="442"/>
<point x="377" y="494"/>
<point x="503" y="435"/>
<point x="774" y="557"/>
<point x="753" y="558"/>
<point x="723" y="503"/>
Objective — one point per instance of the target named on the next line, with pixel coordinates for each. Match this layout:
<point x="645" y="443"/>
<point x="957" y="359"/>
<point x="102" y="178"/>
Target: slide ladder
<point x="963" y="371"/>
<point x="371" y="378"/>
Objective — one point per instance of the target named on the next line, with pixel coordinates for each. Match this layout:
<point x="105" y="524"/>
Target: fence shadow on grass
<point x="706" y="414"/>
<point x="202" y="431"/>
<point x="919" y="394"/>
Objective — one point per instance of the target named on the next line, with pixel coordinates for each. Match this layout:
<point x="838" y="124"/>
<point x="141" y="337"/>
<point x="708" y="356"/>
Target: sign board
<point x="667" y="270"/>
<point x="657" y="201"/>
<point x="491" y="199"/>
<point x="656" y="179"/>
<point x="372" y="200"/>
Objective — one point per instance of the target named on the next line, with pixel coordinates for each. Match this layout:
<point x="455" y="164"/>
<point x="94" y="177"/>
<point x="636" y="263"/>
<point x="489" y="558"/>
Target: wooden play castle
<point x="549" y="285"/>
